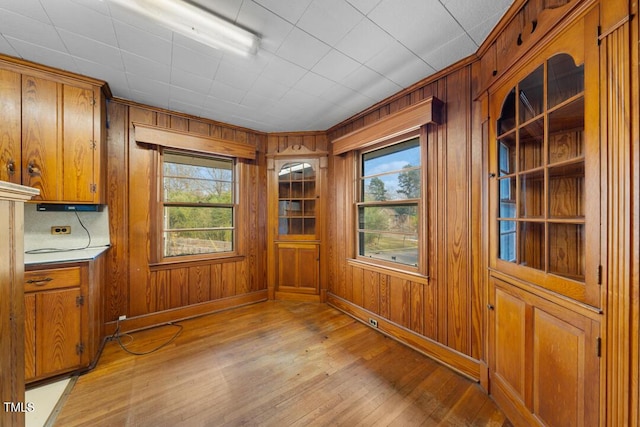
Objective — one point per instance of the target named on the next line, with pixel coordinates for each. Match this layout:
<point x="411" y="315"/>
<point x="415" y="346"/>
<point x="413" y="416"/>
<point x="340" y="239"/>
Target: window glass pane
<point x="507" y="243"/>
<point x="532" y="249"/>
<point x="565" y="79"/>
<point x="507" y="197"/>
<point x="530" y="95"/>
<point x="392" y="247"/>
<point x="507" y="120"/>
<point x="183" y="217"/>
<point x="197" y="242"/>
<point x="389" y="233"/>
<point x="193" y="179"/>
<point x="532" y="145"/>
<point x="566" y="250"/>
<point x="507" y="155"/>
<point x="394" y="186"/>
<point x="566" y="128"/>
<point x="393" y="158"/>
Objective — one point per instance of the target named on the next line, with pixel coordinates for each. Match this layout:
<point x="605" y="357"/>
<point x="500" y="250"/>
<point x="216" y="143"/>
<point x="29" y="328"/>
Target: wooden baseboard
<point x="292" y="296"/>
<point x="459" y="362"/>
<point x="174" y="315"/>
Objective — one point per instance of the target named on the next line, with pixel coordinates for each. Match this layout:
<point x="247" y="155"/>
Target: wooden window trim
<point x="180" y="140"/>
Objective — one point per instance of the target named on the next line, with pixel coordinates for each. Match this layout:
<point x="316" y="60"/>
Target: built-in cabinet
<point x="51" y="134"/>
<point x="295" y="221"/>
<point x="544" y="234"/>
<point x="60" y="318"/>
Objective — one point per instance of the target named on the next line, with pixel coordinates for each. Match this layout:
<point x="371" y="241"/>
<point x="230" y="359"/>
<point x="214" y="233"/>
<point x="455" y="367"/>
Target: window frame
<point x="420" y="203"/>
<point x="161" y="257"/>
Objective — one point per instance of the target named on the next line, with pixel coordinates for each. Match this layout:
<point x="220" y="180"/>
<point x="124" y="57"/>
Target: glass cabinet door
<point x="297" y="199"/>
<point x="540" y="172"/>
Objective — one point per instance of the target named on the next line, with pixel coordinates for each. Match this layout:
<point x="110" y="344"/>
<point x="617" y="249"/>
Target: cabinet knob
<point x="40" y="282"/>
<point x="33" y="169"/>
<point x="490" y="306"/>
<point x="492" y="175"/>
<point x="11" y="167"/>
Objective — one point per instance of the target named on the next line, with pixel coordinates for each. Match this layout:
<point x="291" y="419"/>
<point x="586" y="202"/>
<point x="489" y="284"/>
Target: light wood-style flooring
<point x="273" y="364"/>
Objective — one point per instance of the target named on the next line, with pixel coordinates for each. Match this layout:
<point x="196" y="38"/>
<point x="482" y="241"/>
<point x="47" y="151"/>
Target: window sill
<point x="194" y="262"/>
<point x="414" y="276"/>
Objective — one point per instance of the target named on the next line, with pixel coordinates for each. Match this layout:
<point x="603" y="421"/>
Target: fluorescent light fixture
<point x="195" y="23"/>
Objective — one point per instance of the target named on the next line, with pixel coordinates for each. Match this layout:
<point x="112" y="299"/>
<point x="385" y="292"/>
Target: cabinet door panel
<point x="78" y="144"/>
<point x="510" y="341"/>
<point x="29" y="336"/>
<point x="40" y="149"/>
<point x="298" y="268"/>
<point x="57" y="330"/>
<point x="10" y="125"/>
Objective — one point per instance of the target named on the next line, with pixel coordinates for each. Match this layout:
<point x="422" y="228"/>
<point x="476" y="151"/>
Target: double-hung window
<point x="198" y="199"/>
<point x="389" y="205"/>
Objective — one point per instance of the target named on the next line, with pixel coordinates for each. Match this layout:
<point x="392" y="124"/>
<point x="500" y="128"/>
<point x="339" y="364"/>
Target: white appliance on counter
<point x="63" y="233"/>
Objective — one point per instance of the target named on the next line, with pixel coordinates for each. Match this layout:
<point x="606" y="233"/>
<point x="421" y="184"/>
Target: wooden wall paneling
<point x="457" y="255"/>
<point x="10" y="126"/>
<point x="384" y="296"/>
<point x="400" y="301"/>
<point x="357" y="286"/>
<point x="635" y="257"/>
<point x="198" y="127"/>
<point x="242" y="282"/>
<point x="615" y="127"/>
<point x="141" y="296"/>
<point x="371" y="291"/>
<point x="178" y="123"/>
<point x="179" y="287"/>
<point x="163" y="120"/>
<point x="216" y="281"/>
<point x="429" y="310"/>
<point x="161" y="289"/>
<point x="116" y="290"/>
<point x="30" y="335"/>
<point x="199" y="283"/>
<point x="228" y="280"/>
<point x="417" y="307"/>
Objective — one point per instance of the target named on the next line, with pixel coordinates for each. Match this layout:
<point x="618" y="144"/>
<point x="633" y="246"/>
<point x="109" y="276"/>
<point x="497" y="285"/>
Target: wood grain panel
<point x="40" y="141"/>
<point x="116" y="283"/>
<point x="199" y="284"/>
<point x="29" y="336"/>
<point x="179" y="287"/>
<point x="162" y="288"/>
<point x="357" y="286"/>
<point x="417" y="307"/>
<point x="58" y="326"/>
<point x="400" y="301"/>
<point x="10" y="126"/>
<point x="79" y="144"/>
<point x="371" y="291"/>
<point x="227" y="284"/>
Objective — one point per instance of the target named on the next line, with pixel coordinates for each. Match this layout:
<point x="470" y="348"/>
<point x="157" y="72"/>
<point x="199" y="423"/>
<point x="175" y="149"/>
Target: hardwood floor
<point x="273" y="363"/>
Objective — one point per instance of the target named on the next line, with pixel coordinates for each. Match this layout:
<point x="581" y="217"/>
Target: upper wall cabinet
<point x="545" y="202"/>
<point x="51" y="135"/>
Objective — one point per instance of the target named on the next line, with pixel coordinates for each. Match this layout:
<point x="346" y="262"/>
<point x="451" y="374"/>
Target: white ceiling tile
<point x="134" y="64"/>
<point x="43" y="55"/>
<point x="227" y="9"/>
<point x="390" y="58"/>
<point x="116" y="78"/>
<point x="143" y="43"/>
<point x="450" y="52"/>
<point x="335" y="66"/>
<point x="185" y="96"/>
<point x="314" y="84"/>
<point x="160" y="100"/>
<point x="194" y="62"/>
<point x="410" y="71"/>
<point x="6" y="48"/>
<point x="364" y="6"/>
<point x="238" y="77"/>
<point x="80" y="20"/>
<point x="283" y="72"/>
<point x="289" y="10"/>
<point x="469" y="12"/>
<point x="225" y="92"/>
<point x="124" y="15"/>
<point x="271" y="28"/>
<point x="190" y="81"/>
<point x="31" y="8"/>
<point x="302" y="49"/>
<point x="91" y="50"/>
<point x="30" y="30"/>
<point x="269" y="88"/>
<point x="364" y="41"/>
<point x="329" y="20"/>
<point x="370" y="83"/>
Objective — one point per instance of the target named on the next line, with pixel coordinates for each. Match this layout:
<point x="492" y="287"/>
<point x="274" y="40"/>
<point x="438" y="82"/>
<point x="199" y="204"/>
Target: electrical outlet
<point x="373" y="322"/>
<point x="61" y="229"/>
<point x="122" y="317"/>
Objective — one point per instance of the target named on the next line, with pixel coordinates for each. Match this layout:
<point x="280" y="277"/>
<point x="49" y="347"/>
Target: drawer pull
<point x="40" y="282"/>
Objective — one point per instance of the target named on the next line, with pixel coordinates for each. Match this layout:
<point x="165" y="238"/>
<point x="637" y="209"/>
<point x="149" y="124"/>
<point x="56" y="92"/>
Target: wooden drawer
<point x="44" y="280"/>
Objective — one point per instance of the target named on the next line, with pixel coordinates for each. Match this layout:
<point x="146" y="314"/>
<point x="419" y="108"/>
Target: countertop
<point x="87" y="254"/>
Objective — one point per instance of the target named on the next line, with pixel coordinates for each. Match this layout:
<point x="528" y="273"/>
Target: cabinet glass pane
<point x="566" y="191"/>
<point x="532" y="195"/>
<point x="565" y="79"/>
<point x="530" y="95"/>
<point x="566" y="250"/>
<point x="507" y="243"/>
<point x="566" y="127"/>
<point x="531" y="240"/>
<point x="507" y="119"/>
<point x="296" y="199"/>
<point x="507" y="197"/>
<point x="507" y="155"/>
<point x="531" y="151"/>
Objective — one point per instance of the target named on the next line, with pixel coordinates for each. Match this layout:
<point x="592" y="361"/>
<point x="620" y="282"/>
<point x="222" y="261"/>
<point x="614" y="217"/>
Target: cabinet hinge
<point x="93" y="101"/>
<point x="92" y="144"/>
<point x="599" y="275"/>
<point x="599" y="347"/>
<point x="93" y="188"/>
<point x="80" y="301"/>
<point x="79" y="348"/>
